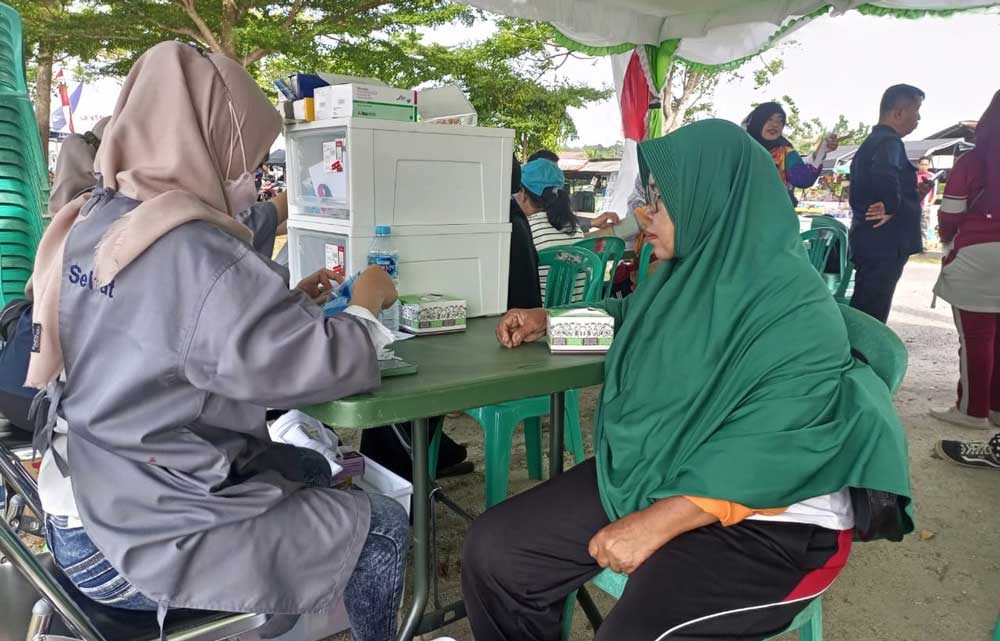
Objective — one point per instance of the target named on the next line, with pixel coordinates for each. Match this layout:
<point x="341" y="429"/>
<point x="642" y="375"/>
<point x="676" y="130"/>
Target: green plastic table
<point x="458" y="372"/>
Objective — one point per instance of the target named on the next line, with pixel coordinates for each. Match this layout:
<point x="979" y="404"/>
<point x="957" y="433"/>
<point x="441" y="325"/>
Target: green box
<point x="384" y="111"/>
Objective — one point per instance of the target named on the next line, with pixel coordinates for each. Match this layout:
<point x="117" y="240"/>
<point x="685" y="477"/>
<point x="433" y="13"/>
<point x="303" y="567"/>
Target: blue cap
<point x="383" y="230"/>
<point x="540" y="174"/>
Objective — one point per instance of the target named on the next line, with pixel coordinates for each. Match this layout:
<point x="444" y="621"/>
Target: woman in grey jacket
<point x="160" y="350"/>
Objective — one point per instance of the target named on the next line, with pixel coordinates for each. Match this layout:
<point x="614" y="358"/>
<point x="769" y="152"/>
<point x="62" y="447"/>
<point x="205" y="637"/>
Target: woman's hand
<point x="374" y="290"/>
<point x="607" y="219"/>
<point x="625" y="545"/>
<point x="519" y="326"/>
<point x="319" y="285"/>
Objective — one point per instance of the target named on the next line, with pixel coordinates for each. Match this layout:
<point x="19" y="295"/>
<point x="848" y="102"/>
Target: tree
<point x="505" y="75"/>
<point x="805" y="134"/>
<point x="598" y="152"/>
<point x="51" y="36"/>
<point x="688" y="89"/>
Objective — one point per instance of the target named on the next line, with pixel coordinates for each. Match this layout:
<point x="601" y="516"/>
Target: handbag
<point x="877" y="515"/>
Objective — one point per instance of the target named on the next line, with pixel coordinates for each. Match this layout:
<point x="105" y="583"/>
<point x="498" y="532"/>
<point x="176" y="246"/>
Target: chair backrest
<point x="828" y="222"/>
<point x="610" y="249"/>
<point x="877" y="345"/>
<point x="645" y="256"/>
<point x="819" y="244"/>
<point x="567" y="263"/>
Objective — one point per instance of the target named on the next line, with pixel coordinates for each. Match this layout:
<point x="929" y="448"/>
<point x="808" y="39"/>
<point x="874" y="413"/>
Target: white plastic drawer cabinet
<point x="376" y="172"/>
<point x="470" y="261"/>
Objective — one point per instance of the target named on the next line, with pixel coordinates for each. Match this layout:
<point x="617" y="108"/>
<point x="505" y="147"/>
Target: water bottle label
<point x="386" y="262"/>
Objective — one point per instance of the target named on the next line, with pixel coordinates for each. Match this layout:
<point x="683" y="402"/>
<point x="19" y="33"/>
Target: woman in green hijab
<point x="732" y="422"/>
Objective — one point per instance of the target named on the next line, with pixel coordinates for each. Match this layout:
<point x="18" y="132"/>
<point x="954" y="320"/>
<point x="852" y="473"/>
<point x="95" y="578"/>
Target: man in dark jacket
<point x="885" y="201"/>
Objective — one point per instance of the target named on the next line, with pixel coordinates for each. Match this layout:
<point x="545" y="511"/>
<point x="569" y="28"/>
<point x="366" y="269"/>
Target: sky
<point x="841" y="65"/>
<point x="835" y="65"/>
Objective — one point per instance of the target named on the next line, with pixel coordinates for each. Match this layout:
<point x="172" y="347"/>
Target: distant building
<point x="965" y="129"/>
<point x="589" y="180"/>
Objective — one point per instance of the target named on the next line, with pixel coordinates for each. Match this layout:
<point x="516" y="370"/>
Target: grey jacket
<point x="168" y="371"/>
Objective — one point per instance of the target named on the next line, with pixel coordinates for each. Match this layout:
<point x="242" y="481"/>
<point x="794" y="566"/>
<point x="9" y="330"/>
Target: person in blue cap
<point x="544" y="199"/>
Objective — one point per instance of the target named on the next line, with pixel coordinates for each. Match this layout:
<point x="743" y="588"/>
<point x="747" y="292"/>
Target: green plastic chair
<point x="500" y="421"/>
<point x="610" y="249"/>
<point x="871" y="342"/>
<point x="11" y="49"/>
<point x="818" y="244"/>
<point x="844" y="289"/>
<point x="645" y="256"/>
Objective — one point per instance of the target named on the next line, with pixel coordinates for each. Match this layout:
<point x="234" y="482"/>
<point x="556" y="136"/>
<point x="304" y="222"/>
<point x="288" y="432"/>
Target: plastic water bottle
<point x="382" y="253"/>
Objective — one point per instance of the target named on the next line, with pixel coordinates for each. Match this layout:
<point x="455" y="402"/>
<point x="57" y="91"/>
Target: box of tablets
<point x="356" y="100"/>
<point x="431" y="314"/>
<point x="586" y="330"/>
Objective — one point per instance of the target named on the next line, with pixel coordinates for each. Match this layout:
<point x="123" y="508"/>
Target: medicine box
<point x="432" y="314"/>
<point x="356" y="100"/>
<point x="586" y="330"/>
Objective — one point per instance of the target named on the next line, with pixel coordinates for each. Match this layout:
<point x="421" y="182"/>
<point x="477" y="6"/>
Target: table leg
<point x="421" y="530"/>
<point x="557" y="426"/>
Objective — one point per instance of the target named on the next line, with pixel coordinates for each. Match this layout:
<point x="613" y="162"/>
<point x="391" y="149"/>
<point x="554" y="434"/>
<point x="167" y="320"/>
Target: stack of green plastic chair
<point x="875" y="344"/>
<point x="610" y="249"/>
<point x="24" y="185"/>
<point x="842" y="286"/>
<point x="499" y="422"/>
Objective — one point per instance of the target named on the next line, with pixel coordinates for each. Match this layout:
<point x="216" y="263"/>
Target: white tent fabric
<point x="713" y="31"/>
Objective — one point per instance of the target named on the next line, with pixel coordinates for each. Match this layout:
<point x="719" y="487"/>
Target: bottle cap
<point x="383" y="230"/>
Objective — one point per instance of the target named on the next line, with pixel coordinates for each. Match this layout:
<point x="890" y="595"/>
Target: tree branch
<point x="293" y="13"/>
<point x="255" y="56"/>
<point x="206" y="34"/>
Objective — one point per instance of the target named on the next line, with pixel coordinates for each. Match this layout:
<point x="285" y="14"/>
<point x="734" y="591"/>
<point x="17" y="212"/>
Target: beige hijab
<point x="74" y="173"/>
<point x="173" y="143"/>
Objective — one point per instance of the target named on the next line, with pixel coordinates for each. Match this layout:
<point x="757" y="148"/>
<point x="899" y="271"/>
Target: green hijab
<point x="731" y="375"/>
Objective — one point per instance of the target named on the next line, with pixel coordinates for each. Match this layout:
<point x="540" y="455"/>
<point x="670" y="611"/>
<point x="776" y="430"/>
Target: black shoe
<point x="967" y="453"/>
<point x="461" y="469"/>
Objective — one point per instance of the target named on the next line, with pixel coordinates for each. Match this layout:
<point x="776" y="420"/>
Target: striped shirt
<point x="544" y="235"/>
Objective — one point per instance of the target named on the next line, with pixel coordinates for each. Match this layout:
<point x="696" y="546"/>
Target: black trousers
<point x="875" y="284"/>
<point x="747" y="582"/>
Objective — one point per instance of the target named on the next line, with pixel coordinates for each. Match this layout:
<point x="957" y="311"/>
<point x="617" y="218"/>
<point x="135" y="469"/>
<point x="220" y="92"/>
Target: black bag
<point x="15" y="335"/>
<point x="877" y="515"/>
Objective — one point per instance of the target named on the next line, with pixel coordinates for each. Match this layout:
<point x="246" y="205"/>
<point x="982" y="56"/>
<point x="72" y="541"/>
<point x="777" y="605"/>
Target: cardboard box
<point x="432" y="314"/>
<point x="586" y="330"/>
<point x="304" y="109"/>
<point x="356" y="100"/>
<point x="446" y="105"/>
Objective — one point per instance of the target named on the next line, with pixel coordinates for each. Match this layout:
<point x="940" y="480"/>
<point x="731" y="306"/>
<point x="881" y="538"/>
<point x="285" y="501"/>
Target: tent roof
<point x="915" y="150"/>
<point x="714" y="32"/>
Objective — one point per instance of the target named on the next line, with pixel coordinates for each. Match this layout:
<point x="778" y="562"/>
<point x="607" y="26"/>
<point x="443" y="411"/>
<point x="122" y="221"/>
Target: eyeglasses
<point x="652" y="194"/>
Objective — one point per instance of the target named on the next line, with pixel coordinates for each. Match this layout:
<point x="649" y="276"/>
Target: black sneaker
<point x="967" y="453"/>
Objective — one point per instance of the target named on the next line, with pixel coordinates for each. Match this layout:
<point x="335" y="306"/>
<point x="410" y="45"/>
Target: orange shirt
<point x="730" y="513"/>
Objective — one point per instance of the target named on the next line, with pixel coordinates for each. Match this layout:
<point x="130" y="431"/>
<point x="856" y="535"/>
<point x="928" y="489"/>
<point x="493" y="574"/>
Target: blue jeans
<point x="371" y="597"/>
<point x="85" y="566"/>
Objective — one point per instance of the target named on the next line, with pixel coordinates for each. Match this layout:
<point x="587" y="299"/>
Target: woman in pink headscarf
<point x="970" y="227"/>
